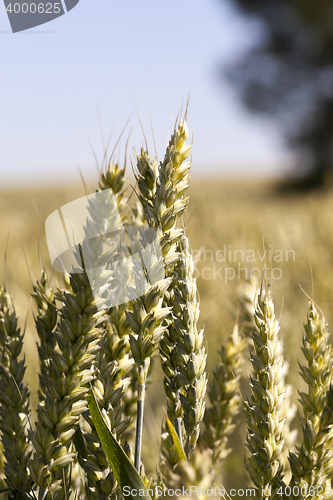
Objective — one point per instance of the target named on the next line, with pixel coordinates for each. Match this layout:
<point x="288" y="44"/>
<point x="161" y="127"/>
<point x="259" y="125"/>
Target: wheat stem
<point x="139" y="418"/>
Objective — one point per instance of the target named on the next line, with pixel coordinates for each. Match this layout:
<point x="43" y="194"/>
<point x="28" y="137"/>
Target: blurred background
<point x="259" y="74"/>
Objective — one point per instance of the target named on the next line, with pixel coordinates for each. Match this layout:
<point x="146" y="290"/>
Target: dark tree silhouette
<point x="289" y="75"/>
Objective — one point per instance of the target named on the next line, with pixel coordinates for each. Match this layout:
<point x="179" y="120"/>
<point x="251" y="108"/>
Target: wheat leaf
<point x="123" y="469"/>
<point x="176" y="441"/>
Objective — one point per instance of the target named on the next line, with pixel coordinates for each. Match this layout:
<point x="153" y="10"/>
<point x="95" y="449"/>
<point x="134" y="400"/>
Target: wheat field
<point x="235" y="228"/>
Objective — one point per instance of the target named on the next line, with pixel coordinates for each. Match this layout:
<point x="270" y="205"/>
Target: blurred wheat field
<point x="230" y="219"/>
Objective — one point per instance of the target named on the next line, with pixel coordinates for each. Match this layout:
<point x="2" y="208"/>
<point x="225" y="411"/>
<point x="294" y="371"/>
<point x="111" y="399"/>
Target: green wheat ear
<point x="247" y="293"/>
<point x="113" y="370"/>
<point x="183" y="358"/>
<point x="78" y="334"/>
<point x="14" y="399"/>
<point x="190" y="357"/>
<point x="224" y="396"/>
<point x="312" y="465"/>
<point x="161" y="192"/>
<point x="196" y="472"/>
<point x="45" y="323"/>
<point x="264" y="439"/>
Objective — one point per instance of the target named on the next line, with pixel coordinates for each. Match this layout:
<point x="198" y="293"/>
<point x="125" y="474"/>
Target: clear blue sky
<point x="104" y="52"/>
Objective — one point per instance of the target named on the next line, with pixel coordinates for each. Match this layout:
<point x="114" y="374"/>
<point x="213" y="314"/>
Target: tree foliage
<point x="288" y="75"/>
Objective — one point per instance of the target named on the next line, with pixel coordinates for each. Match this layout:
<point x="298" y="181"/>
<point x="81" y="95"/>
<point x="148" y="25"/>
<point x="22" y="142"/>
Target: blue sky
<point x="104" y="53"/>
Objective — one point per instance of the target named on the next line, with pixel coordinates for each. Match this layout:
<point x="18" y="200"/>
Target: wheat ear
<point x="117" y="329"/>
<point x="78" y="335"/>
<point x="112" y="371"/>
<point x="311" y="466"/>
<point x="70" y="372"/>
<point x="264" y="439"/>
<point x="224" y="396"/>
<point x="45" y="322"/>
<point x="14" y="400"/>
<point x="247" y="292"/>
<point x="183" y="353"/>
<point x="161" y="194"/>
<point x="194" y="476"/>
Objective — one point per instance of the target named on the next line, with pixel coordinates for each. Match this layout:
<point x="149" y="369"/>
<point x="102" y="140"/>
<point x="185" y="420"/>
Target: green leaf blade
<point x="123" y="469"/>
<point x="176" y="441"/>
